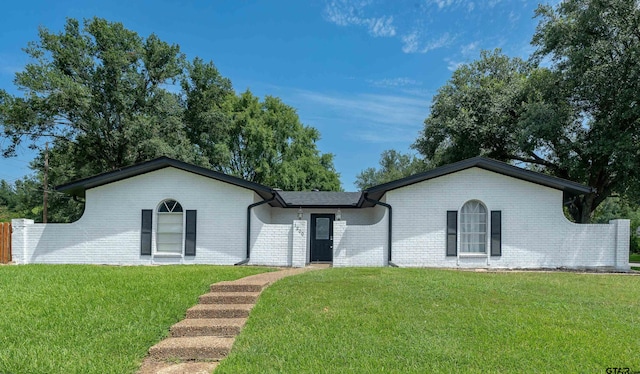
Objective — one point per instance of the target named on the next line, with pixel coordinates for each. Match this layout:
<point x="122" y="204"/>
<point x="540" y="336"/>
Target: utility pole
<point x="46" y="191"/>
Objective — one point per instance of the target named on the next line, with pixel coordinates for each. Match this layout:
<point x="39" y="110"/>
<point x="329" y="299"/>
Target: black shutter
<point x="452" y="233"/>
<point x="190" y="234"/>
<point x="145" y="232"/>
<point x="496" y="233"/>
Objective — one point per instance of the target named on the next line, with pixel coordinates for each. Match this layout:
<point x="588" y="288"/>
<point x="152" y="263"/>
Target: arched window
<point x="473" y="222"/>
<point x="170" y="227"/>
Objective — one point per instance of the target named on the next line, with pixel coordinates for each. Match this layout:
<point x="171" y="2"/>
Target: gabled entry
<point x="322" y="237"/>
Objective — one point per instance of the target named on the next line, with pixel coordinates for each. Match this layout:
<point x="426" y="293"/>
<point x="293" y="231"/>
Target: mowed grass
<point x="94" y="319"/>
<point x="423" y="321"/>
<point x="634" y="257"/>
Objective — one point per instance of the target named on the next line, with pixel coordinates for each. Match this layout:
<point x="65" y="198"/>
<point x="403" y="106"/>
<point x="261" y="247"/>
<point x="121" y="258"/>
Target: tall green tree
<point x="260" y="141"/>
<point x="477" y="112"/>
<point x="100" y="90"/>
<point x="595" y="45"/>
<point x="208" y="98"/>
<point x="578" y="119"/>
<point x="392" y="165"/>
<point x="268" y="144"/>
<point x="104" y="98"/>
<point x="98" y="94"/>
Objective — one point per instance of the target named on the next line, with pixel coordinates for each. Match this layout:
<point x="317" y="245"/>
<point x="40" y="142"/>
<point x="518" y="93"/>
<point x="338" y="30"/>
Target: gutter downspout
<point x="246" y="260"/>
<point x="377" y="202"/>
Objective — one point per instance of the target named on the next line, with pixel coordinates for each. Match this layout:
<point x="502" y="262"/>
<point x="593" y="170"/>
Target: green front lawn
<point x="94" y="319"/>
<point x="634" y="257"/>
<point x="420" y="321"/>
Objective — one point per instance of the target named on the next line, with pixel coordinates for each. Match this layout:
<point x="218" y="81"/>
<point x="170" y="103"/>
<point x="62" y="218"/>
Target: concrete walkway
<point x="206" y="335"/>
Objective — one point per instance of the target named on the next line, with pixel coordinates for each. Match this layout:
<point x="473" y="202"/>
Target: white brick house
<point x="476" y="213"/>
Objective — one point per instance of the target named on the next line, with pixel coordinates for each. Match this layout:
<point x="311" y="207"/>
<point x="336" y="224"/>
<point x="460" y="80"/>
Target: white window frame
<point x="462" y="234"/>
<point x="157" y="224"/>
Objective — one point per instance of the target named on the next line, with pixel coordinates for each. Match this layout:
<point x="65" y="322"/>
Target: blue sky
<point x="363" y="72"/>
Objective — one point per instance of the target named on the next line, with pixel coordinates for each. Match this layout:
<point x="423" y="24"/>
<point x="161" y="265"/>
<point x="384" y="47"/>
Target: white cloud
<point x="412" y="42"/>
<point x="426" y="25"/>
<point x="452" y="65"/>
<point x="443" y="41"/>
<point x="378" y="118"/>
<point x="454" y="4"/>
<point x="445" y="3"/>
<point x="381" y="26"/>
<point x="469" y="49"/>
<point x="346" y="13"/>
<point x="513" y="17"/>
<point x="395" y="82"/>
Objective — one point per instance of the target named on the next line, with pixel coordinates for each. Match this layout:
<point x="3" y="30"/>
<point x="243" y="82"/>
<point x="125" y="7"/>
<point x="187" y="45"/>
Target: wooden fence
<point x="5" y="242"/>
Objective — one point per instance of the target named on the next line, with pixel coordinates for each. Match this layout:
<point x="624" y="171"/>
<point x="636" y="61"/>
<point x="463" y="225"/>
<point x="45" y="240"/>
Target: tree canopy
<point x="393" y="165"/>
<point x="104" y="98"/>
<point x="577" y="119"/>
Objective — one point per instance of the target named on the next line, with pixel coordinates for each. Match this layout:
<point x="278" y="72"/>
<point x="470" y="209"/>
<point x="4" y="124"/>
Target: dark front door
<point x="322" y="237"/>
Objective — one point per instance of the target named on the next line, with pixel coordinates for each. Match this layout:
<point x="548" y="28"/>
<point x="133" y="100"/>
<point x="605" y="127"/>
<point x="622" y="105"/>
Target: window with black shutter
<point x="452" y="233"/>
<point x="190" y="234"/>
<point x="496" y="233"/>
<point x="145" y="232"/>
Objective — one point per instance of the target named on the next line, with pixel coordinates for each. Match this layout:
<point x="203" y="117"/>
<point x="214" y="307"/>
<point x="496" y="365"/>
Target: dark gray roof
<point x="78" y="188"/>
<point x="569" y="187"/>
<point x="319" y="199"/>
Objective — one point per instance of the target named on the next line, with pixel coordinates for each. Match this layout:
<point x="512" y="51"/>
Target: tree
<point x="393" y="165"/>
<point x="268" y="144"/>
<point x="97" y="93"/>
<point x="595" y="46"/>
<point x="262" y="142"/>
<point x="207" y="99"/>
<point x="578" y="119"/>
<point x="615" y="207"/>
<point x="477" y="111"/>
<point x="7" y="201"/>
<point x="100" y="95"/>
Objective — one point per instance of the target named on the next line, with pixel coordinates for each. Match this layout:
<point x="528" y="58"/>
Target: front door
<point x="322" y="237"/>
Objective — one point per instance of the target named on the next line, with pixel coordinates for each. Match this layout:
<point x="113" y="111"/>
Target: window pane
<point x="473" y="226"/>
<point x="322" y="228"/>
<point x="169" y="228"/>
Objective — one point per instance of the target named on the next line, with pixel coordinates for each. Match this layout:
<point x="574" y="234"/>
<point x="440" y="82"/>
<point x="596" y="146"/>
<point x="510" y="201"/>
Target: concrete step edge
<point x="229" y="298"/>
<point x="192" y="348"/>
<point x="222" y="327"/>
<point x="219" y="311"/>
<point x="238" y="287"/>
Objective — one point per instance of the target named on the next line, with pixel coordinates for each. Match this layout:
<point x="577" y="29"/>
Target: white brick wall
<point x="109" y="230"/>
<point x="535" y="233"/>
<point x="279" y="239"/>
<point x="272" y="245"/>
<point x="300" y="254"/>
<point x="360" y="245"/>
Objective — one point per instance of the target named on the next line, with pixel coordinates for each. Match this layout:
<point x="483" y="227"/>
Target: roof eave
<point x="78" y="188"/>
<point x="376" y="192"/>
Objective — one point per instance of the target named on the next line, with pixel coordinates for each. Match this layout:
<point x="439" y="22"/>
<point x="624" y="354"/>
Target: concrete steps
<point x="223" y="327"/>
<point x="229" y="298"/>
<point x="210" y="327"/>
<point x="192" y="348"/>
<point x="207" y="333"/>
<point x="234" y="286"/>
<point x="219" y="311"/>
